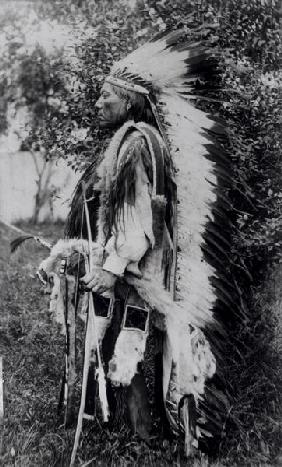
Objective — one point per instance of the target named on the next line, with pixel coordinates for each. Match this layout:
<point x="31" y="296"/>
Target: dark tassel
<point x="158" y="210"/>
<point x="75" y="227"/>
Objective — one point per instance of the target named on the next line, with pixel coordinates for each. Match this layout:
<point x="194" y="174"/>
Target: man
<point x="157" y="211"/>
<point x="128" y="234"/>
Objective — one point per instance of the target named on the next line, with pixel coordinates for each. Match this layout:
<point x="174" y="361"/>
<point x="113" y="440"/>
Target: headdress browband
<point x="129" y="86"/>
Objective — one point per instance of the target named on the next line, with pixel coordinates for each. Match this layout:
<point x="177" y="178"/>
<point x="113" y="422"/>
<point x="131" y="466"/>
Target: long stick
<point x="83" y="391"/>
<point x="90" y="333"/>
<point x="101" y="374"/>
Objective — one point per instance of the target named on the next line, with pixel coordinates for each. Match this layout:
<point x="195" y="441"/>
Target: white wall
<point x="18" y="186"/>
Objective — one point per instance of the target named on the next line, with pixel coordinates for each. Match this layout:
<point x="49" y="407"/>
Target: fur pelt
<point x="65" y="249"/>
<point x="129" y="351"/>
<point x="56" y="306"/>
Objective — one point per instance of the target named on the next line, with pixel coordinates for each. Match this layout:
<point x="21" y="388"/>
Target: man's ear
<point x="128" y="106"/>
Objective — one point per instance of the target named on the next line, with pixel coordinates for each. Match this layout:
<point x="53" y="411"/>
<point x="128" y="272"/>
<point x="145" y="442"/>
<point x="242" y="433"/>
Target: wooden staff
<point x="90" y="336"/>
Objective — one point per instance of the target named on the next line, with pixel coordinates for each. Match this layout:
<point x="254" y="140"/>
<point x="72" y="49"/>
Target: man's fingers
<point x="87" y="278"/>
<point x="98" y="288"/>
<point x="91" y="284"/>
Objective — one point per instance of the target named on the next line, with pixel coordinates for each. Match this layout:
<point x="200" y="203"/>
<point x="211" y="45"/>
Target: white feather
<point x="155" y="63"/>
<point x="195" y="195"/>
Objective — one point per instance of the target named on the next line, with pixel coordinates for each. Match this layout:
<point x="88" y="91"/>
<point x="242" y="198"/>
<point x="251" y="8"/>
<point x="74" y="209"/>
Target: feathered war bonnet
<point x="171" y="64"/>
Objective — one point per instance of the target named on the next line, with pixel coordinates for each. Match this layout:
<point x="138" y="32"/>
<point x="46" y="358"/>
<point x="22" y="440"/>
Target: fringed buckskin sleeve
<point x="132" y="233"/>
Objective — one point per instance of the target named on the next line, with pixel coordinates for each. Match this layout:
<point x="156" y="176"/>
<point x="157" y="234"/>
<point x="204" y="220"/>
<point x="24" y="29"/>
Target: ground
<point x="32" y="349"/>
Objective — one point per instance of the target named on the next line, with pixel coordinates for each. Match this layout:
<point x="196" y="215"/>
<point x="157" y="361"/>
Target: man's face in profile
<point x="112" y="110"/>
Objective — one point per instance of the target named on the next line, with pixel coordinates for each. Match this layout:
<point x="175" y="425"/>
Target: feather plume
<point x="17" y="242"/>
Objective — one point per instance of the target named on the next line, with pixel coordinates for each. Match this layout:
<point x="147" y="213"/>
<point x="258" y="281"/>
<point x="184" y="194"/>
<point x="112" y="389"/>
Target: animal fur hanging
<point x="129" y="351"/>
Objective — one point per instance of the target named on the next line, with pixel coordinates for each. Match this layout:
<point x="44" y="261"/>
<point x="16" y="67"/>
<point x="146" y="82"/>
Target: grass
<point x="32" y="350"/>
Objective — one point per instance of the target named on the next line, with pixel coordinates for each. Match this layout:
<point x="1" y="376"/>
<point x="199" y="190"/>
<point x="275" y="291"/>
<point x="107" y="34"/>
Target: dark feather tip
<point x="17" y="242"/>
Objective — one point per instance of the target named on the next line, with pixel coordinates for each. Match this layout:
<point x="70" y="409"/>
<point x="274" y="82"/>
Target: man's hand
<point x="99" y="281"/>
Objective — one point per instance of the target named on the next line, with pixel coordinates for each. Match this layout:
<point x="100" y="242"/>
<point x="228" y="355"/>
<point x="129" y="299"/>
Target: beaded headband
<point x="129" y="86"/>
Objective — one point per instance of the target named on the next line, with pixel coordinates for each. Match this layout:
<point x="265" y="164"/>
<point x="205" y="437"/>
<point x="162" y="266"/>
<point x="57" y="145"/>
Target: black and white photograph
<point x="140" y="233"/>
